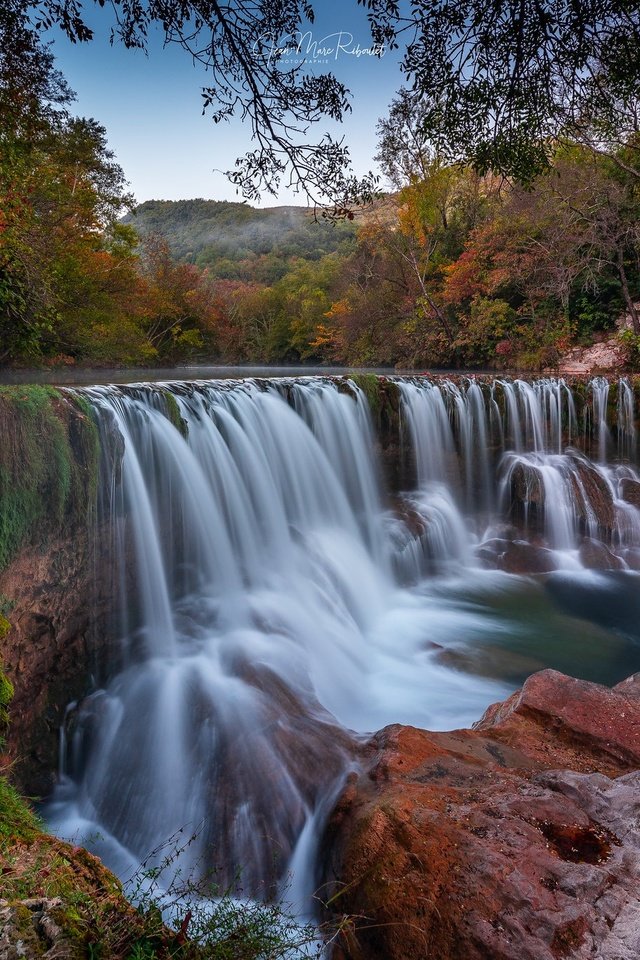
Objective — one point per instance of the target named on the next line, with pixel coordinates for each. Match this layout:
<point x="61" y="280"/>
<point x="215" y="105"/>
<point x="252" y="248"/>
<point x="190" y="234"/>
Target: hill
<point x="240" y="242"/>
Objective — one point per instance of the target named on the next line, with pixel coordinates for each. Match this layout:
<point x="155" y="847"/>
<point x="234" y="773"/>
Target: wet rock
<point x="526" y="484"/>
<point x="595" y="555"/>
<point x="631" y="557"/>
<point x="521" y="557"/>
<point x="58" y="599"/>
<point x="630" y="491"/>
<point x="517" y="840"/>
<point x="592" y="498"/>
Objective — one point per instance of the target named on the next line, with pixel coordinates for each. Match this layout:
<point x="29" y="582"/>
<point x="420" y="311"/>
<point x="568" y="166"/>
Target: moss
<point x="6" y="695"/>
<point x="17" y="819"/>
<point x="173" y="413"/>
<point x="6" y="687"/>
<point x="84" y="439"/>
<point x="369" y="383"/>
<point x="48" y="465"/>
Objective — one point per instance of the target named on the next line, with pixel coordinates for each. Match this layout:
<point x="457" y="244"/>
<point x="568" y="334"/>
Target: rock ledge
<point x="517" y="840"/>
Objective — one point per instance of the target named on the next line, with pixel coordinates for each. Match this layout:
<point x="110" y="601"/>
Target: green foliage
<point x="238" y="242"/>
<point x="631" y="342"/>
<point x="173" y="413"/>
<point x="369" y="383"/>
<point x="6" y="687"/>
<point x="489" y="331"/>
<point x="48" y="465"/>
<point x="209" y="923"/>
<point x="17" y="820"/>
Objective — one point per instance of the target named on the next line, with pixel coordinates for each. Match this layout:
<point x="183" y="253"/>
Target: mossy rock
<point x="369" y="383"/>
<point x="173" y="413"/>
<point x="49" y="461"/>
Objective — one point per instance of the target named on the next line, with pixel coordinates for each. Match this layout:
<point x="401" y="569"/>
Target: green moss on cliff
<point x="48" y="465"/>
<point x="173" y="413"/>
<point x="18" y="822"/>
<point x="369" y="383"/>
<point x="6" y="695"/>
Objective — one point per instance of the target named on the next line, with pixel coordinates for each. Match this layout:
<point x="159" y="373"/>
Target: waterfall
<point x="276" y="603"/>
<point x="599" y="387"/>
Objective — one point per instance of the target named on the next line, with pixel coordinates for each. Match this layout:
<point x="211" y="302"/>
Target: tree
<point x="496" y="80"/>
<point x="65" y="262"/>
<point x="603" y="203"/>
<point x="180" y="308"/>
<point x="558" y="261"/>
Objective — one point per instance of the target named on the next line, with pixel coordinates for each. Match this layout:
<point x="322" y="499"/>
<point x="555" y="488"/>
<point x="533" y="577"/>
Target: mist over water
<point x="277" y="603"/>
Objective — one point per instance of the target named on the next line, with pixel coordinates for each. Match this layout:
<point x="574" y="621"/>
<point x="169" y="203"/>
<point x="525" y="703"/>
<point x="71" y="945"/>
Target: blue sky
<point x="151" y="105"/>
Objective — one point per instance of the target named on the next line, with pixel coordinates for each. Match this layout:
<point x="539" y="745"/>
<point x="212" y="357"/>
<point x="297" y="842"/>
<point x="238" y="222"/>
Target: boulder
<point x="595" y="555"/>
<point x="517" y="840"/>
<point x="58" y="606"/>
<point x="592" y="497"/>
<point x="526" y="484"/>
<point x="630" y="491"/>
<point x="522" y="557"/>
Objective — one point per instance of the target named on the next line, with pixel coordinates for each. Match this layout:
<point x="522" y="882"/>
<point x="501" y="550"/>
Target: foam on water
<point x="274" y="609"/>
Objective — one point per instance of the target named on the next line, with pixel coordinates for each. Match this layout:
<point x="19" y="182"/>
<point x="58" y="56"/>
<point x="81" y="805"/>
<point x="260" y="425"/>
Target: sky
<point x="151" y="106"/>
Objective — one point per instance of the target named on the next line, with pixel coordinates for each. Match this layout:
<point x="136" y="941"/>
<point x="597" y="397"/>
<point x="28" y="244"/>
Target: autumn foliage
<point x="454" y="269"/>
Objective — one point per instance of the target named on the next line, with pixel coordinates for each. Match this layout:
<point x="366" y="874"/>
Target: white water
<point x="276" y="609"/>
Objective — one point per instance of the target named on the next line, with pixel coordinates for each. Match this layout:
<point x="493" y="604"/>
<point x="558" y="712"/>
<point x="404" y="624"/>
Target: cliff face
<point x="57" y="606"/>
<point x="53" y="569"/>
<point x="516" y="840"/>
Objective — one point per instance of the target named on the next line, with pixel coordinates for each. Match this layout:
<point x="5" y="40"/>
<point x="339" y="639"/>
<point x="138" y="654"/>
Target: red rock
<point x="481" y="844"/>
<point x="595" y="555"/>
<point x="59" y="604"/>
<point x="630" y="491"/>
<point x="522" y="557"/>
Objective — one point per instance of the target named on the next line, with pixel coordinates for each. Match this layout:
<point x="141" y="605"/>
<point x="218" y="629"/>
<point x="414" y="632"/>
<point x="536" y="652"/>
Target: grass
<point x="94" y="912"/>
<point x="17" y="819"/>
<point x="97" y="920"/>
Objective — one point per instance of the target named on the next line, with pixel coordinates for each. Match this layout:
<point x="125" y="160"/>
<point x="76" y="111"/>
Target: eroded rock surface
<point x="517" y="840"/>
<point x="59" y="598"/>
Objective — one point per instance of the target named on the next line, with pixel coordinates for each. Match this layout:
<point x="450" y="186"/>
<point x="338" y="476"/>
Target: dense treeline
<point x="454" y="269"/>
<point x="75" y="283"/>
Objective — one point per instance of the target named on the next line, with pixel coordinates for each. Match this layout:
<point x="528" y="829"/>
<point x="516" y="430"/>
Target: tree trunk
<point x="628" y="299"/>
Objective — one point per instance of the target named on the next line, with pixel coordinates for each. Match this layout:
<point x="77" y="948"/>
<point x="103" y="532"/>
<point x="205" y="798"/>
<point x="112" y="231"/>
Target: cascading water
<point x="275" y="606"/>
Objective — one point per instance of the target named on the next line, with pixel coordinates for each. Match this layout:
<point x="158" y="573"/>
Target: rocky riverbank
<point x="517" y="840"/>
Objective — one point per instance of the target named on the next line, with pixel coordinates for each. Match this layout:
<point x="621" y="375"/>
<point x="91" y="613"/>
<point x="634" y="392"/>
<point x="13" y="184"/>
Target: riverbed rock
<point x="592" y="497"/>
<point x="630" y="491"/>
<point x="526" y="486"/>
<point x="595" y="555"/>
<point x="517" y="840"/>
<point x="522" y="557"/>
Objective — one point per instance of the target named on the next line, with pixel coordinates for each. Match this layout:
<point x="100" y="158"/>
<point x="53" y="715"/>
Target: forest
<point x="449" y="266"/>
